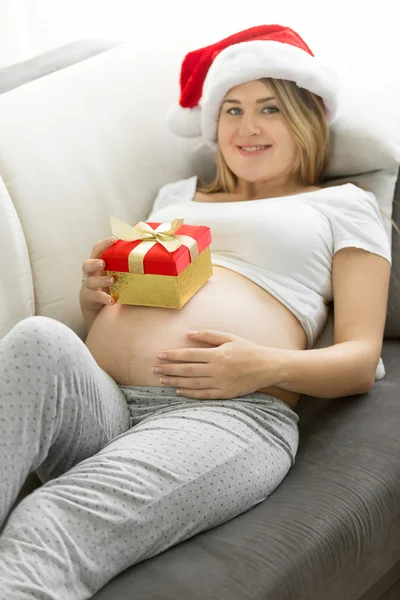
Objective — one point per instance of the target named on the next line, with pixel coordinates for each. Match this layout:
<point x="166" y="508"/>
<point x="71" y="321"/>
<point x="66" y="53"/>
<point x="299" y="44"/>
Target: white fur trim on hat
<point x="185" y="122"/>
<point x="252" y="60"/>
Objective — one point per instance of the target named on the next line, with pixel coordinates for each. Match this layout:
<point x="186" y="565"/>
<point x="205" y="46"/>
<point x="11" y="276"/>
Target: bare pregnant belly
<point x="124" y="339"/>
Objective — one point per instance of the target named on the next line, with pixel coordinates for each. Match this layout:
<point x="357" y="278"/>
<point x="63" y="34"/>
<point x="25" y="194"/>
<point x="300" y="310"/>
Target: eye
<point x="269" y="109"/>
<point x="229" y="111"/>
<point x="273" y="108"/>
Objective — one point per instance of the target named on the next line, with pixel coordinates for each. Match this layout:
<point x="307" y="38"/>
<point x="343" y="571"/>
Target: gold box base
<point x="164" y="291"/>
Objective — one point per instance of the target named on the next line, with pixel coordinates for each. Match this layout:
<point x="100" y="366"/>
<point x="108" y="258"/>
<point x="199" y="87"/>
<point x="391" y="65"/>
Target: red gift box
<point x="158" y="261"/>
<point x="149" y="274"/>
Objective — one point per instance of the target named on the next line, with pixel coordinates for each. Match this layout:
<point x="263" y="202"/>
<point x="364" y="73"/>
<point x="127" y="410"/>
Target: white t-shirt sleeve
<point x="357" y="222"/>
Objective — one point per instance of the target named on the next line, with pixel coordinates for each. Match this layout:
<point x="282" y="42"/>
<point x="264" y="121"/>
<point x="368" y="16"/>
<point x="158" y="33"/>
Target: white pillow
<point x="367" y="155"/>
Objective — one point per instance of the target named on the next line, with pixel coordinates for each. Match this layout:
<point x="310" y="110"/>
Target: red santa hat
<point x="272" y="51"/>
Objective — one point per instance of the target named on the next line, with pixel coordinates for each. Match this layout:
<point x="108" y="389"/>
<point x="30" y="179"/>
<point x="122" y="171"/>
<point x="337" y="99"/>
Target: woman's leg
<point x="185" y="466"/>
<point x="57" y="407"/>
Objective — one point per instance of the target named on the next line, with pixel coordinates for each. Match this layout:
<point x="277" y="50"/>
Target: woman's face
<point x="253" y="136"/>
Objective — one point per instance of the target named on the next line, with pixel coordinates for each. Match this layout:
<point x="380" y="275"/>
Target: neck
<point x="267" y="189"/>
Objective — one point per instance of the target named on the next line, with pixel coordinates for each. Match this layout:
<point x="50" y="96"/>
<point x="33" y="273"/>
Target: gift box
<point x="158" y="264"/>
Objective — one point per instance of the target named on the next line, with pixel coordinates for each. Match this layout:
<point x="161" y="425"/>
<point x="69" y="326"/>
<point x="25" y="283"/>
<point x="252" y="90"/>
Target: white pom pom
<point x="185" y="122"/>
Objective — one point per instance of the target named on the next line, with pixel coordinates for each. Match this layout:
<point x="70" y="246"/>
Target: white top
<point x="286" y="244"/>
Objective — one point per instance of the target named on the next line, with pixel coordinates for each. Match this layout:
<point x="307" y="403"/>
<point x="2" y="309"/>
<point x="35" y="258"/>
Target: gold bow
<point x="163" y="234"/>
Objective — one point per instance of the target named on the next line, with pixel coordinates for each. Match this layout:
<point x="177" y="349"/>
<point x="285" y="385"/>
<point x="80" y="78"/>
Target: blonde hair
<point x="305" y="115"/>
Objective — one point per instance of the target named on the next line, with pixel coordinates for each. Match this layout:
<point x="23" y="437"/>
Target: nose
<point x="249" y="125"/>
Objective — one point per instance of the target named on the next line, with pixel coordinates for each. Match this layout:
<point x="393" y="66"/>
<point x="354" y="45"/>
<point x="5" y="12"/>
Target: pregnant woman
<point x="148" y="433"/>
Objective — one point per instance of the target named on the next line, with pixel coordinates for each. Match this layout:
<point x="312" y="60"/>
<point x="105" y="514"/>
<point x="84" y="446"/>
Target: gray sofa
<point x="331" y="530"/>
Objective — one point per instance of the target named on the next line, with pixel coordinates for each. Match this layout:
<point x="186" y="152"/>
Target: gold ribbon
<point x="164" y="234"/>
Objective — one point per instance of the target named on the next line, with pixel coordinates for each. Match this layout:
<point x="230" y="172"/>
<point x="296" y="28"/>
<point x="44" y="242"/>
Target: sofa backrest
<point x="91" y="140"/>
<point x="392" y="325"/>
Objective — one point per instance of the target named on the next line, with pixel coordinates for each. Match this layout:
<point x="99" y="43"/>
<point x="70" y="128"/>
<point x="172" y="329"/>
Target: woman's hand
<point x="234" y="367"/>
<point x="95" y="291"/>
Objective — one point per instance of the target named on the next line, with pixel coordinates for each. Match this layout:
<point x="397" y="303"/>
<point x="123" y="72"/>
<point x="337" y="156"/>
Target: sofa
<point x="83" y="135"/>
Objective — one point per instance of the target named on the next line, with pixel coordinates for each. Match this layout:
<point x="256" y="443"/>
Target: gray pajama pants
<point x="127" y="471"/>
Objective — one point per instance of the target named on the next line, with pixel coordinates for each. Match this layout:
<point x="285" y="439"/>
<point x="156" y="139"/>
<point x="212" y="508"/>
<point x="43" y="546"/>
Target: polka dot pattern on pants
<point x="128" y="471"/>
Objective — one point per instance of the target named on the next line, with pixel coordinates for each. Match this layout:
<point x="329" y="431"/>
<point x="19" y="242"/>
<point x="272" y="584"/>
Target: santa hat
<point x="272" y="51"/>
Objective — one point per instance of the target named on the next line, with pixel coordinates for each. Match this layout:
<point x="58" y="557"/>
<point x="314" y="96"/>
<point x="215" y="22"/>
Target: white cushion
<point x="16" y="285"/>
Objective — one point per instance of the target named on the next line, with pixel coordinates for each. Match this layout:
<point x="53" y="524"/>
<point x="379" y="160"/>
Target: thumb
<point x="211" y="336"/>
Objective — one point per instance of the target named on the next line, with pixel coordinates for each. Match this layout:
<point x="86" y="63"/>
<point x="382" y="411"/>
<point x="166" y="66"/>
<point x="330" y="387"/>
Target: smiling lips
<point x="252" y="150"/>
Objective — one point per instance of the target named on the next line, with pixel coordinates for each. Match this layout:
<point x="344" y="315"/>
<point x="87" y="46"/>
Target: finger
<point x="94" y="298"/>
<point x="102" y="297"/>
<point x="184" y="370"/>
<point x="211" y="336"/>
<point x="92" y="265"/>
<point x="94" y="282"/>
<point x="186" y="354"/>
<point x="210" y="394"/>
<point x="195" y="383"/>
<point x="102" y="246"/>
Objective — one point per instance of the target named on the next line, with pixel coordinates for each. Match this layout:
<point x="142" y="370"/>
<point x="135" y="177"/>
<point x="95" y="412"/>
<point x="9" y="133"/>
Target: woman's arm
<point x="360" y="281"/>
<point x="332" y="372"/>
